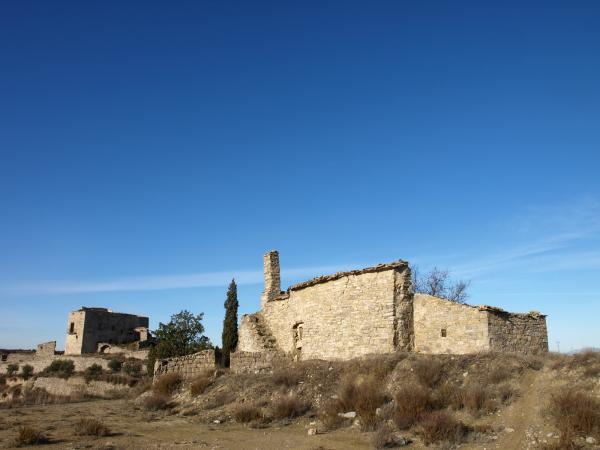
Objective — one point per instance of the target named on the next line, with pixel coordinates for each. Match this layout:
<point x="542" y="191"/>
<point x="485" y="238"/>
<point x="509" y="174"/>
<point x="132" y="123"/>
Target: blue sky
<point x="151" y="151"/>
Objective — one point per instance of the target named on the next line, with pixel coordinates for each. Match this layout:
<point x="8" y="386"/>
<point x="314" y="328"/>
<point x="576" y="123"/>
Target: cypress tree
<point x="230" y="323"/>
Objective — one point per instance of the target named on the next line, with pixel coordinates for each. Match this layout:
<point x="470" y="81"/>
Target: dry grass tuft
<point x="156" y="402"/>
<point x="200" y="384"/>
<point x="286" y="377"/>
<point x="29" y="436"/>
<point x="91" y="427"/>
<point x="246" y="413"/>
<point x="167" y="384"/>
<point x="477" y="398"/>
<point x="385" y="437"/>
<point x="363" y="395"/>
<point x="440" y="426"/>
<point x="429" y="371"/>
<point x="412" y="401"/>
<point x="329" y="416"/>
<point x="575" y="412"/>
<point x="289" y="407"/>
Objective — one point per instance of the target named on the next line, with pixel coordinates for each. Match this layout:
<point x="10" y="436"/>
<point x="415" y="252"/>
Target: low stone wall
<point x="77" y="386"/>
<point x="40" y="363"/>
<point x="188" y="366"/>
<point x="256" y="362"/>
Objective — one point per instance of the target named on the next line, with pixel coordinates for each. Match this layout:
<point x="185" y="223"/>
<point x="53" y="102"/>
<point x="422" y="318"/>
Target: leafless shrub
<point x="429" y="371"/>
<point x="289" y="407"/>
<point x="156" y="402"/>
<point x="246" y="413"/>
<point x="411" y="402"/>
<point x="286" y="377"/>
<point x="167" y="384"/>
<point x="574" y="412"/>
<point x="498" y="374"/>
<point x="437" y="283"/>
<point x="91" y="427"/>
<point x="440" y="426"/>
<point x="29" y="436"/>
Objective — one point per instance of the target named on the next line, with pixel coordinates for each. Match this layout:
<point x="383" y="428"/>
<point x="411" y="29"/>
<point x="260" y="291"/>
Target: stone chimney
<point x="272" y="277"/>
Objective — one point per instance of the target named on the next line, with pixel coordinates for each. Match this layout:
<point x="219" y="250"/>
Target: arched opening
<point x="104" y="348"/>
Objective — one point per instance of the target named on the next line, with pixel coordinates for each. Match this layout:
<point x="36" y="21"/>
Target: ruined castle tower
<point x="272" y="277"/>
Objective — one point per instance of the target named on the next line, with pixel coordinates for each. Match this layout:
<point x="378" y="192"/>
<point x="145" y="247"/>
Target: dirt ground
<point x="134" y="429"/>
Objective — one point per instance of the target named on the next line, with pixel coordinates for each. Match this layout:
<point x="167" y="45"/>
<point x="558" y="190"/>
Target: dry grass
<point x="441" y="426"/>
<point x="286" y="377"/>
<point x="363" y="395"/>
<point x="574" y="412"/>
<point x="429" y="371"/>
<point x="412" y="401"/>
<point x="477" y="398"/>
<point x="289" y="407"/>
<point x="329" y="415"/>
<point x="156" y="402"/>
<point x="246" y="413"/>
<point x="385" y="437"/>
<point x="91" y="427"/>
<point x="29" y="436"/>
<point x="200" y="383"/>
<point x="167" y="384"/>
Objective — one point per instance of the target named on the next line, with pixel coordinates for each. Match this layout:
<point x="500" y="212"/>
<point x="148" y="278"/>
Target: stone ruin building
<point x="374" y="310"/>
<point x="100" y="330"/>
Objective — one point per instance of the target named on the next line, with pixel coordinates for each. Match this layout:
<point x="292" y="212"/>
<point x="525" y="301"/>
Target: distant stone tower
<point x="272" y="277"/>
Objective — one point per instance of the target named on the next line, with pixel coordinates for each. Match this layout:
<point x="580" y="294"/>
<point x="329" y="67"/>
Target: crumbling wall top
<point x="400" y="264"/>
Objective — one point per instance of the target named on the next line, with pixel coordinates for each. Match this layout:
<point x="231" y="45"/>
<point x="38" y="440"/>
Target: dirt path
<point x="523" y="421"/>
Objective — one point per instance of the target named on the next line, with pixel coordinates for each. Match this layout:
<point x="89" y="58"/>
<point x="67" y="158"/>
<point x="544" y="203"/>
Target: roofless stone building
<point x="374" y="310"/>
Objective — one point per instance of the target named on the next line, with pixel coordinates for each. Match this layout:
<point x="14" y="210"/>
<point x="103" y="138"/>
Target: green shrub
<point x="12" y="369"/>
<point x="62" y="368"/>
<point x="115" y="365"/>
<point x="26" y="371"/>
<point x="93" y="372"/>
<point x="133" y="367"/>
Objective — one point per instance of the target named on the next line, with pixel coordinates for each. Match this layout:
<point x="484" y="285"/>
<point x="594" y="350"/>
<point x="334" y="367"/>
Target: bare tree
<point x="437" y="282"/>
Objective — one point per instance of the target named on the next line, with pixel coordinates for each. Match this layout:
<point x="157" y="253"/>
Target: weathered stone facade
<point x="368" y="311"/>
<point x="188" y="366"/>
<point x="46" y="349"/>
<point x="442" y="326"/>
<point x="88" y="327"/>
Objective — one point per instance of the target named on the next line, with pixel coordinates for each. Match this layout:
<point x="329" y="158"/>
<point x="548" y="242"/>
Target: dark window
<point x="4" y="357"/>
<point x="72" y="327"/>
<point x="443" y="332"/>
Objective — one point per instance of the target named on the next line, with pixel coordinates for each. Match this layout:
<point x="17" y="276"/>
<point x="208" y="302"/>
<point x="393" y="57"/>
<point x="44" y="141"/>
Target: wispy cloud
<point x="550" y="237"/>
<point x="158" y="282"/>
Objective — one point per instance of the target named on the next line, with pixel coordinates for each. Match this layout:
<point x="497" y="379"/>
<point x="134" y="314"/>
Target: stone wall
<point x="40" y="363"/>
<point x="77" y="386"/>
<point x="188" y="366"/>
<point x="442" y="326"/>
<point x="342" y="316"/>
<point x="519" y="333"/>
<point x="46" y="349"/>
<point x="256" y="362"/>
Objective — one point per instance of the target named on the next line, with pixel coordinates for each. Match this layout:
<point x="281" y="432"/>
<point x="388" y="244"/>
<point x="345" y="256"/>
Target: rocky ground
<point x="485" y="401"/>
